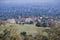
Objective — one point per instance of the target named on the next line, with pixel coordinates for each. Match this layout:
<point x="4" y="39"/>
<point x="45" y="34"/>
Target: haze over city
<point x="29" y="1"/>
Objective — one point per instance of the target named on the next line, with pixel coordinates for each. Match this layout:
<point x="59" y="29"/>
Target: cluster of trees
<point x="38" y="24"/>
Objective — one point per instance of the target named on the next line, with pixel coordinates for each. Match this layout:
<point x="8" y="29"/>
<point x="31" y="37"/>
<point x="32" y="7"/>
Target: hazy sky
<point x="28" y="1"/>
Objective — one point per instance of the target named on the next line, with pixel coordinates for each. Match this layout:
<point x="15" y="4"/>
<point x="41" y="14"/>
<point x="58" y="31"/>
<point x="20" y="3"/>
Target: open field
<point x="18" y="28"/>
<point x="8" y="31"/>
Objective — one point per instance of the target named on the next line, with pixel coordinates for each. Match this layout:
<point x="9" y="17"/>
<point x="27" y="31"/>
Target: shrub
<point x="23" y="33"/>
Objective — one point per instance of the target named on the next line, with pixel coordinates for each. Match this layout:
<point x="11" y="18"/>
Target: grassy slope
<point x="30" y="29"/>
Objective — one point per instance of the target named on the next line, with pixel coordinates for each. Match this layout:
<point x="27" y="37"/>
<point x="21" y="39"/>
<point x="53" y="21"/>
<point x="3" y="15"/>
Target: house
<point x="29" y="20"/>
<point x="20" y="21"/>
<point x="12" y="21"/>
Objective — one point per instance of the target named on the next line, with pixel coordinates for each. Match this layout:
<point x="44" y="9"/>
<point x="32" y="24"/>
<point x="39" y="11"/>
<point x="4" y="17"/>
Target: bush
<point x="23" y="33"/>
<point x="44" y="38"/>
<point x="38" y="24"/>
<point x="44" y="25"/>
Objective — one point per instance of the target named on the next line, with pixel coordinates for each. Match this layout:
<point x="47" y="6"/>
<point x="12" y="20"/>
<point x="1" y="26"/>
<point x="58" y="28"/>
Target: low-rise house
<point x="12" y="21"/>
<point x="20" y="21"/>
<point x="29" y="20"/>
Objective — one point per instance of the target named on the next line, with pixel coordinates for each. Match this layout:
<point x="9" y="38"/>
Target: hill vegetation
<point x="28" y="32"/>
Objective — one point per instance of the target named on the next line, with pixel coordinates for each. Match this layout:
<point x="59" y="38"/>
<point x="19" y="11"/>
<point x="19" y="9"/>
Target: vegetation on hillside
<point x="28" y="32"/>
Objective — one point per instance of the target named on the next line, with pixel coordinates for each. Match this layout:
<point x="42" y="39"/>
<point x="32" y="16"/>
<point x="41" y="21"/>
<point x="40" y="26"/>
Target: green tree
<point x="38" y="24"/>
